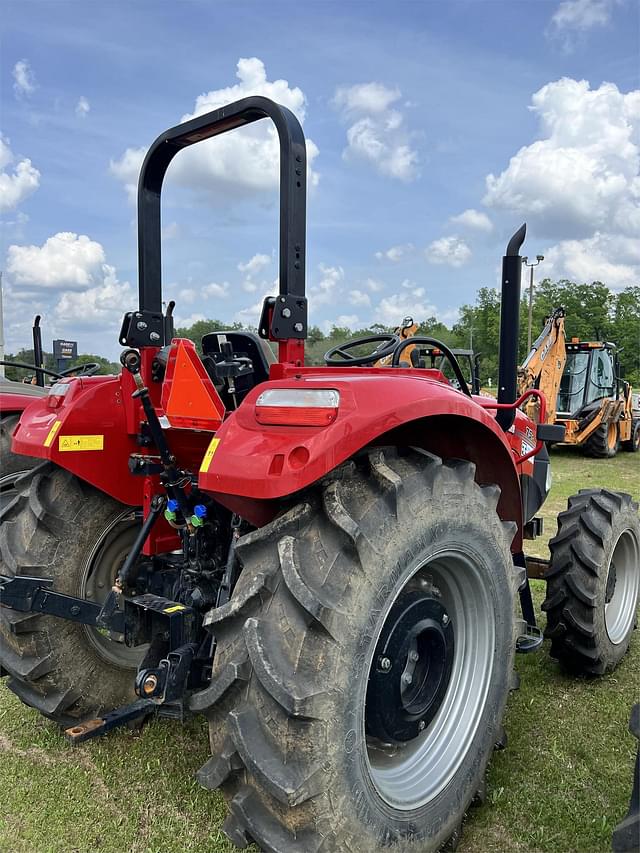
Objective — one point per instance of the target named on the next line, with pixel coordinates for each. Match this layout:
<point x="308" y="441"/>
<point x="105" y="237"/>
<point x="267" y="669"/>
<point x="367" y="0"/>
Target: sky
<point x="434" y="129"/>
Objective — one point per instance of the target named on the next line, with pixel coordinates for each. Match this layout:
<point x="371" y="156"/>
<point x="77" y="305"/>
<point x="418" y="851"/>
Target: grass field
<point x="561" y="785"/>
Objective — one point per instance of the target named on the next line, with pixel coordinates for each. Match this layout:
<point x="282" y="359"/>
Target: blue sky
<point x="436" y="129"/>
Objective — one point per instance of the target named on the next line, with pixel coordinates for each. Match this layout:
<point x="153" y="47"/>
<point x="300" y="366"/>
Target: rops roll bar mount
<point x="286" y="314"/>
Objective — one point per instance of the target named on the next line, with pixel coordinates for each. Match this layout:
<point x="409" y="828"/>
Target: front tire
<point x="633" y="444"/>
<point x="309" y="750"/>
<point x="61" y="528"/>
<point x="604" y="442"/>
<point x="593" y="581"/>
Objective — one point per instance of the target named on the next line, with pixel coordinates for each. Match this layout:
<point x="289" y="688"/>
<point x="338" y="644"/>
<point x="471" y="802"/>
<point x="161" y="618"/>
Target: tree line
<point x="593" y="313"/>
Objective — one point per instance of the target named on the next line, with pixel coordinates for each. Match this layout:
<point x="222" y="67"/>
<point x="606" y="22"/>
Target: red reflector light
<point x="295" y="416"/>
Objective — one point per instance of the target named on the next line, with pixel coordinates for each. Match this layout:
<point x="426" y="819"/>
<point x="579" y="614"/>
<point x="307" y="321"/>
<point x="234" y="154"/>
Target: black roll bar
<point x="293" y="177"/>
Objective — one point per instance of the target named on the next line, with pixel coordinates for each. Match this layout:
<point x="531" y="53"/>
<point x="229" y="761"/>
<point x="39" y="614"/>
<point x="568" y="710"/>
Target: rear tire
<point x="294" y="729"/>
<point x="593" y="581"/>
<point x="61" y="528"/>
<point x="12" y="465"/>
<point x="604" y="442"/>
<point x="633" y="444"/>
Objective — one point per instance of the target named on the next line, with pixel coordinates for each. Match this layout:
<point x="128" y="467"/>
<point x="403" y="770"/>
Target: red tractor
<point x="324" y="561"/>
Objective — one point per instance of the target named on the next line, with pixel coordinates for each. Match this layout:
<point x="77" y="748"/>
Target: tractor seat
<point x="244" y="345"/>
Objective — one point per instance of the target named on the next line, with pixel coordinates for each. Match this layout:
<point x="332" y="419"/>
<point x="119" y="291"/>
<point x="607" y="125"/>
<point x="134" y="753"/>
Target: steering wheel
<point x="432" y="342"/>
<point x="86" y="369"/>
<point x="340" y="356"/>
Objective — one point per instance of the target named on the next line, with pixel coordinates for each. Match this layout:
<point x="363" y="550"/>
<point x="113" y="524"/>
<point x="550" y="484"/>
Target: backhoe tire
<point x="12" y="465"/>
<point x="59" y="527"/>
<point x="323" y="737"/>
<point x="604" y="442"/>
<point x="593" y="581"/>
<point x="633" y="444"/>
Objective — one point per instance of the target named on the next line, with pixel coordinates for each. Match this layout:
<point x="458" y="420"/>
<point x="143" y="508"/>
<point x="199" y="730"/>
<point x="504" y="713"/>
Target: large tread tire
<point x="601" y="443"/>
<point x="633" y="444"/>
<point x="12" y="464"/>
<point x="285" y="703"/>
<point x="49" y="529"/>
<point x="599" y="527"/>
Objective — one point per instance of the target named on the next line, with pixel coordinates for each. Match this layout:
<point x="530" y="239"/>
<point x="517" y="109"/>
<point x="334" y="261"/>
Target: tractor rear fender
<point x="250" y="466"/>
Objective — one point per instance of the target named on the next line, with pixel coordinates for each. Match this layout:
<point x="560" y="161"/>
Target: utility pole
<point x="539" y="258"/>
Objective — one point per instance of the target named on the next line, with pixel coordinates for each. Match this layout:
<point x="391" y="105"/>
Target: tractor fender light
<point x="297" y="406"/>
<point x="57" y="393"/>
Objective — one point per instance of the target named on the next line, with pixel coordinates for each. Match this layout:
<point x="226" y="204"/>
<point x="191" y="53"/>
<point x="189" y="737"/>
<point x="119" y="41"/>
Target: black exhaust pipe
<point x="37" y="351"/>
<point x="510" y="327"/>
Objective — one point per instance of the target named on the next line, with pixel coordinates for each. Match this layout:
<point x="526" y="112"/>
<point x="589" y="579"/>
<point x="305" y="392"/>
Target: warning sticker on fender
<point x="208" y="456"/>
<point x="80" y="442"/>
<point x="52" y="433"/>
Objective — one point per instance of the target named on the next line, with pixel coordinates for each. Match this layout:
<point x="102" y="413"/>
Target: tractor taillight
<point x="297" y="406"/>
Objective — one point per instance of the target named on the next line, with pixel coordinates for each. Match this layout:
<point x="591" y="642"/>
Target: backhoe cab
<point x="323" y="561"/>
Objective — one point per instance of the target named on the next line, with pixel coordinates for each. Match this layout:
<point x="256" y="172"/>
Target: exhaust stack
<point x="510" y="327"/>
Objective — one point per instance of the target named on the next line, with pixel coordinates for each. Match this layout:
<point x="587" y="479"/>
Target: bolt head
<point x="141" y="326"/>
<point x="445" y="618"/>
<point x="154" y="336"/>
<point x="286" y="312"/>
<point x="385" y="664"/>
<point x="298" y="327"/>
<point x="407" y="678"/>
<point x="422" y="725"/>
<point x="414" y="656"/>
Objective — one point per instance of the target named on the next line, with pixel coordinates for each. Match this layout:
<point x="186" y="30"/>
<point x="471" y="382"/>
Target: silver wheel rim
<point x="411" y="775"/>
<point x="624" y="571"/>
<point x="97" y="579"/>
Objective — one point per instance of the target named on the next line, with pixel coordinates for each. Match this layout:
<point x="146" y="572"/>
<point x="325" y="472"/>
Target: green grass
<point x="561" y="785"/>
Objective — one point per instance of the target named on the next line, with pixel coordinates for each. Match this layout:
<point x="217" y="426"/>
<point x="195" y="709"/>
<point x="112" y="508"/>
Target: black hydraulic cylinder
<point x="510" y="327"/>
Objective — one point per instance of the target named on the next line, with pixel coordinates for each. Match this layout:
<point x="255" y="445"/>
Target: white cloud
<point x="16" y="187"/>
<point x="395" y="253"/>
<point x="170" y="231"/>
<point x="66" y="259"/>
<point x="255" y="265"/>
<point x="448" y="250"/>
<point x="348" y="321"/>
<point x="582" y="174"/>
<point x="573" y="18"/>
<point x="474" y="219"/>
<point x="366" y="98"/>
<point x="99" y="308"/>
<point x="82" y="107"/>
<point x="374" y="285"/>
<point x="584" y="261"/>
<point x="359" y="297"/>
<point x="324" y="291"/>
<point x="377" y="133"/>
<point x="24" y="79"/>
<point x="392" y="309"/>
<point x="221" y="291"/>
<point x="247" y="161"/>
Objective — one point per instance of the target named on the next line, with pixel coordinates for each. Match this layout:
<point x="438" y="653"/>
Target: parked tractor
<point x="324" y="561"/>
<point x="14" y="398"/>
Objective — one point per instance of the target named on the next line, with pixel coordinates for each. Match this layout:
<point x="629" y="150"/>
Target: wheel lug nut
<point x="422" y="725"/>
<point x="407" y="678"/>
<point x="385" y="664"/>
<point x="445" y="619"/>
<point x="414" y="656"/>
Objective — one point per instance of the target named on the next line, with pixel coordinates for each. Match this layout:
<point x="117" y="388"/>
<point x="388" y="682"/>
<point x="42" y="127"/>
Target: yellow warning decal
<point x="80" y="442"/>
<point x="52" y="433"/>
<point x="208" y="456"/>
<point x="174" y="608"/>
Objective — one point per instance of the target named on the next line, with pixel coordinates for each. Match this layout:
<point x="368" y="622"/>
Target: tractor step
<point x="529" y="639"/>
